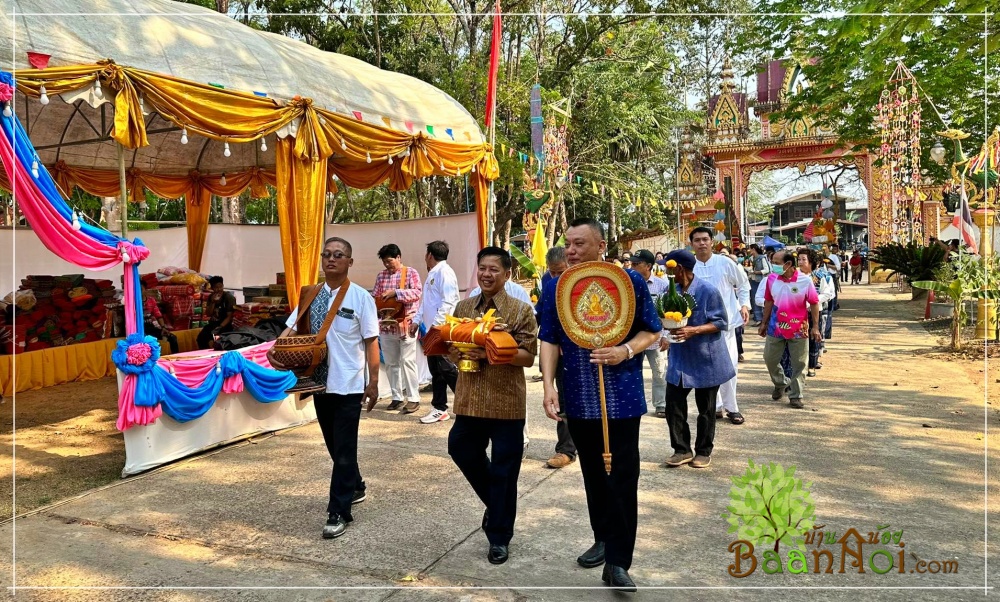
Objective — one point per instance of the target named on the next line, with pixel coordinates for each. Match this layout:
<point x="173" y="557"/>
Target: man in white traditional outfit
<point x="732" y="282"/>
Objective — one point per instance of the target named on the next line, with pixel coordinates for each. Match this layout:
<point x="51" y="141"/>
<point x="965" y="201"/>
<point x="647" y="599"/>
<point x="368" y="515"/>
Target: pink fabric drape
<point x="196" y="365"/>
<point x="130" y="414"/>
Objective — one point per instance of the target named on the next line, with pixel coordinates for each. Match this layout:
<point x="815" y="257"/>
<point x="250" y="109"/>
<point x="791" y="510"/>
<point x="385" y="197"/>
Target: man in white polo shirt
<point x="732" y="282"/>
<point x="350" y="374"/>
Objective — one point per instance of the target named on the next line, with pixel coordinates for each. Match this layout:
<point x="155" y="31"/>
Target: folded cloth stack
<point x="500" y="345"/>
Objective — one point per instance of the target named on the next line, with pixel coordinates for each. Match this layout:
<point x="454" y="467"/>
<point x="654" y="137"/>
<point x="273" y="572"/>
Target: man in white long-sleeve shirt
<point x="732" y="282"/>
<point x="439" y="300"/>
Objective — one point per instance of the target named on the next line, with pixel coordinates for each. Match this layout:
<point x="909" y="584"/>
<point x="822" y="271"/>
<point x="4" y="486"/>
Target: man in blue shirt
<point x="697" y="359"/>
<point x="611" y="499"/>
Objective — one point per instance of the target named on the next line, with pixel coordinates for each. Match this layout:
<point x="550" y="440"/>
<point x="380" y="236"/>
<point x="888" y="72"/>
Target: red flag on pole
<point x="491" y="85"/>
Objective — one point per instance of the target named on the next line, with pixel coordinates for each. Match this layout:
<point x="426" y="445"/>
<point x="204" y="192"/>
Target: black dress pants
<point x="612" y="500"/>
<point x="494" y="479"/>
<point x="338" y="417"/>
<point x="564" y="442"/>
<point x="444" y="375"/>
<point x="677" y="414"/>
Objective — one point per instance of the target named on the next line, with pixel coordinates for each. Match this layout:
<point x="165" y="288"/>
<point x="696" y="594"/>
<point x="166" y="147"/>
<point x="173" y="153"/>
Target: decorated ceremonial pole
<point x="491" y="116"/>
<point x="123" y="196"/>
<point x="604" y="419"/>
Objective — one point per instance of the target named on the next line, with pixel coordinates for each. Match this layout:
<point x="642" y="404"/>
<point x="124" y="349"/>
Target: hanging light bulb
<point x="390" y="159"/>
<point x="6" y="110"/>
<point x="263" y="145"/>
<point x="125" y="257"/>
<point x="368" y="157"/>
<point x="34" y="168"/>
<point x="343" y="144"/>
<point x="218" y="368"/>
<point x="473" y="169"/>
<point x="222" y="180"/>
<point x="44" y="98"/>
<point x="76" y="220"/>
<point x="225" y="150"/>
<point x="184" y="135"/>
<point x="98" y="92"/>
<point x="442" y="166"/>
<point x="406" y="153"/>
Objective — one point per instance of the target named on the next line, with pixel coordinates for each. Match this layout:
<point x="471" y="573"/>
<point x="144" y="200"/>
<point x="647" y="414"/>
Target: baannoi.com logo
<point x="769" y="507"/>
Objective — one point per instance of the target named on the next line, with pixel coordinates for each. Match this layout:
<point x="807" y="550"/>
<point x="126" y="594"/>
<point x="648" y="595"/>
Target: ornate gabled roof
<point x="727" y="112"/>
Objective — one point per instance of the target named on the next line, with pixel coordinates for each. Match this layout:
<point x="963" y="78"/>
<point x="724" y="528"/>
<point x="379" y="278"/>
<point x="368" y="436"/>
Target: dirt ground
<point x="67" y="443"/>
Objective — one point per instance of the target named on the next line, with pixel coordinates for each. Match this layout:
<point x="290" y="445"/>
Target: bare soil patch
<point x="65" y="443"/>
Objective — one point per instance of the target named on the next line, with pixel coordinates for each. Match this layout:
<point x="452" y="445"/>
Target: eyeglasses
<point x="338" y="255"/>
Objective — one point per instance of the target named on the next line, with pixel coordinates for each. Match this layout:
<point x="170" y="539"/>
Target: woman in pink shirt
<point x="789" y="299"/>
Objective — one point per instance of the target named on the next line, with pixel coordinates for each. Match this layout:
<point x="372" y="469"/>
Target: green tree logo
<point x="768" y="504"/>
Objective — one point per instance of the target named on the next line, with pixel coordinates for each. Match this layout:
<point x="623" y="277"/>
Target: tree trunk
<point x="506" y="235"/>
<point x="550" y="230"/>
<point x="350" y="204"/>
<point x="331" y="209"/>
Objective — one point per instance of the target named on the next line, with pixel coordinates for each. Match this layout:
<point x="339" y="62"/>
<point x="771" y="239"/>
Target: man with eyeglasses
<point x="350" y="374"/>
<point x="440" y="296"/>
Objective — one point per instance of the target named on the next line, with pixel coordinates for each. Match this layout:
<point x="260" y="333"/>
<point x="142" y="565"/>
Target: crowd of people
<point x="788" y="296"/>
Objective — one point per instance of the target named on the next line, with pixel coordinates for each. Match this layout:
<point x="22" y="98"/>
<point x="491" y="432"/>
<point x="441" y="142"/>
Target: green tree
<point x="849" y="53"/>
<point x="770" y="505"/>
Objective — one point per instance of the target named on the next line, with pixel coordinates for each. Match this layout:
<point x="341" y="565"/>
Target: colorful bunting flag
<point x="430" y="130"/>
<point x="503" y="148"/>
<point x="261" y="94"/>
<point x="409" y="126"/>
<point x="357" y="115"/>
<point x="450" y="134"/>
<point x="468" y="136"/>
<point x="614" y="193"/>
<point x="593" y="185"/>
<point x="219" y="86"/>
<point x="38" y="60"/>
<point x="387" y="122"/>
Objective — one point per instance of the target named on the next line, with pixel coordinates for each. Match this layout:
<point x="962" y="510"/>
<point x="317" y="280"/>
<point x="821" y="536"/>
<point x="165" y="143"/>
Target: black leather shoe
<point x="395" y="405"/>
<point x="334" y="527"/>
<point x="498" y="554"/>
<point x="593" y="557"/>
<point x="617" y="577"/>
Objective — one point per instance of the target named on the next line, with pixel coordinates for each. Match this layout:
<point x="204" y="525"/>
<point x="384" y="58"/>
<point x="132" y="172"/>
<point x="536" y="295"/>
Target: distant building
<point x="792" y="215"/>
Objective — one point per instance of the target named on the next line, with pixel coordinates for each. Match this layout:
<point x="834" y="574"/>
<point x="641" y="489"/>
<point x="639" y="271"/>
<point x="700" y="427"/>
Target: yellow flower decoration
<point x="671" y="264"/>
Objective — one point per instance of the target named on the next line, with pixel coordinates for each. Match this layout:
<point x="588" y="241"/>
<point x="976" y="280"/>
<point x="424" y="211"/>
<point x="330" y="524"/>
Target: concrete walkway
<point x="250" y="515"/>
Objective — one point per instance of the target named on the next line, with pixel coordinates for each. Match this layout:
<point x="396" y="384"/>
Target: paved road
<point x="251" y="514"/>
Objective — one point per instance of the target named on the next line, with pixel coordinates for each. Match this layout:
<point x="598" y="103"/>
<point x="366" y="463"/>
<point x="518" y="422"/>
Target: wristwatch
<point x="631" y="353"/>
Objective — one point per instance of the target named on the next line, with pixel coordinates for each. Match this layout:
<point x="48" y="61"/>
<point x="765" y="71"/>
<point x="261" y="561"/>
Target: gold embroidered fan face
<point x="596" y="304"/>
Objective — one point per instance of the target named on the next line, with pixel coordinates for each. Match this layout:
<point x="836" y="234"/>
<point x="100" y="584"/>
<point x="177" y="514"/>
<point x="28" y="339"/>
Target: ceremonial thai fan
<point x="596" y="305"/>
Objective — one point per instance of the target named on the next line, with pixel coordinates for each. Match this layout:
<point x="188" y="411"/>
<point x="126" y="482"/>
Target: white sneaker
<point x="435" y="416"/>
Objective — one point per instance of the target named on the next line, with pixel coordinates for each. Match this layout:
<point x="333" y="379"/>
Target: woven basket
<point x="298" y="352"/>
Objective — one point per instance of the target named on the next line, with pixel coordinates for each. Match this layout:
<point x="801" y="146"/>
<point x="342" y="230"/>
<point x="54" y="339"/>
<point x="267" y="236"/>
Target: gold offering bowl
<point x="465" y="365"/>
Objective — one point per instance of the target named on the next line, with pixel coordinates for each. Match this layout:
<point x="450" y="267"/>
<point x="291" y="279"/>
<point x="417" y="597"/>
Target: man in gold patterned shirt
<point x="490" y="404"/>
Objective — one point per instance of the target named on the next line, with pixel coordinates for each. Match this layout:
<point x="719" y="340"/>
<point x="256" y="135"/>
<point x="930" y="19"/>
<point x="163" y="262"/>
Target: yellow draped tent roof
<point x="199" y="45"/>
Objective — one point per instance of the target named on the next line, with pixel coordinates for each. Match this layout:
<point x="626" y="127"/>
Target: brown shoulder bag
<point x="301" y="353"/>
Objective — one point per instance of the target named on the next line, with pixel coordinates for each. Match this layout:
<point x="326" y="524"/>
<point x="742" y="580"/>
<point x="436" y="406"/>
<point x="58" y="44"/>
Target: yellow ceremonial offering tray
<point x="465" y="365"/>
<point x="596" y="305"/>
